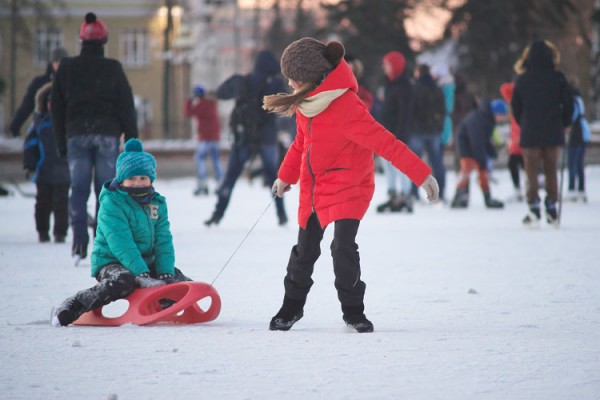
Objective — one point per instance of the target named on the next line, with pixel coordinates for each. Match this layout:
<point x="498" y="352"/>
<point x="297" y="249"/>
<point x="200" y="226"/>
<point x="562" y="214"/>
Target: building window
<point x="46" y="40"/>
<point x="134" y="47"/>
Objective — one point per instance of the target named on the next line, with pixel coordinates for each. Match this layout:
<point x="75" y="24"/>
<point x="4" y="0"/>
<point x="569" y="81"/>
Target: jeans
<point x="90" y="157"/>
<point x="238" y="156"/>
<point x="393" y="176"/>
<point x="204" y="149"/>
<point x="576" y="170"/>
<point x="431" y="144"/>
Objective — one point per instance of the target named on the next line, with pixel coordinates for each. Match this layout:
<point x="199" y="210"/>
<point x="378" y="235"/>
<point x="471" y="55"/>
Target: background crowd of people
<point x="84" y="109"/>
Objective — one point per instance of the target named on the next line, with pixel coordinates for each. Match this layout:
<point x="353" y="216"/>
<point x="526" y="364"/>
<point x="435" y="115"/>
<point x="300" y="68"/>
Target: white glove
<point x="280" y="187"/>
<point x="146" y="281"/>
<point x="431" y="187"/>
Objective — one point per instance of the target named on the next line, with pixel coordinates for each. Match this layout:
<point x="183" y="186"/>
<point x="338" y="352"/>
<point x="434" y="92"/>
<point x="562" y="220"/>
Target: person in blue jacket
<point x="48" y="170"/>
<point x="474" y="148"/>
<point x="133" y="246"/>
<point x="265" y="79"/>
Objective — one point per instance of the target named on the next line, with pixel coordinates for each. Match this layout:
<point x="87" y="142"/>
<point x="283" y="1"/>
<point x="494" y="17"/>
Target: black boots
<point x="532" y="219"/>
<point x="291" y="312"/>
<point x="551" y="212"/>
<point x="359" y="322"/>
<point x="461" y="198"/>
<point x="214" y="219"/>
<point x="396" y="203"/>
<point x="355" y="318"/>
<point x="68" y="312"/>
<point x="490" y="202"/>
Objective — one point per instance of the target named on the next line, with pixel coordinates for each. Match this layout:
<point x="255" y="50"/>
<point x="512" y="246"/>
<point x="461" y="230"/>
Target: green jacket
<point x="133" y="234"/>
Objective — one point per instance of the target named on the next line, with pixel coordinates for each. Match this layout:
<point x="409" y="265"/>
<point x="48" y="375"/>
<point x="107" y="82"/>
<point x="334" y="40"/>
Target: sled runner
<point x="174" y="303"/>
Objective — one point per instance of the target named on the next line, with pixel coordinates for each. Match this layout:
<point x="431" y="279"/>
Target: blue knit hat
<point x="135" y="162"/>
<point x="499" y="107"/>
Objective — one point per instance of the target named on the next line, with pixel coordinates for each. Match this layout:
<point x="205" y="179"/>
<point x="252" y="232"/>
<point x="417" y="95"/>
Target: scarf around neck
<point x="314" y="105"/>
<point x="142" y="195"/>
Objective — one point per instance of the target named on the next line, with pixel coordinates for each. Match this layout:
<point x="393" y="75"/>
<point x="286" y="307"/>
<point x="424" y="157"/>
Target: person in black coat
<point x="263" y="81"/>
<point x="427" y="124"/>
<point x="92" y="106"/>
<point x="542" y="105"/>
<point x="28" y="103"/>
<point x="474" y="146"/>
<point x="48" y="170"/>
<point x="395" y="115"/>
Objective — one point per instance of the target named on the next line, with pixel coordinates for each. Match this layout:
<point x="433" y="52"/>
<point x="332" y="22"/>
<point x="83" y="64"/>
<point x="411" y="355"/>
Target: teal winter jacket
<point x="133" y="234"/>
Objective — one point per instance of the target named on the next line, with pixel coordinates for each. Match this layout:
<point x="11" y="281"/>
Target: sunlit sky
<point x="427" y="23"/>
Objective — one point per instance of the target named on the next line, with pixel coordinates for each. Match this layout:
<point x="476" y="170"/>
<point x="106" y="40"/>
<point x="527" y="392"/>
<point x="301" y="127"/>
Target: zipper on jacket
<point x="310" y="170"/>
<point x="148" y="213"/>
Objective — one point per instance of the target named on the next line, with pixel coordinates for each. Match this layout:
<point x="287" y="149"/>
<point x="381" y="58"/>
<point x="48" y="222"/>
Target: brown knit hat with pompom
<point x="308" y="60"/>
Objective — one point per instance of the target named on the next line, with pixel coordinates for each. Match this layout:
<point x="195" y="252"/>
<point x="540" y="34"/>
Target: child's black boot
<point x="355" y="318"/>
<point x="291" y="312"/>
<point x="68" y="312"/>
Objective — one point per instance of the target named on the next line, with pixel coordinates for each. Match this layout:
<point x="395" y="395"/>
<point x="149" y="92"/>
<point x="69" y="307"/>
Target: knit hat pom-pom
<point x="334" y="52"/>
<point x="90" y="18"/>
<point x="134" y="145"/>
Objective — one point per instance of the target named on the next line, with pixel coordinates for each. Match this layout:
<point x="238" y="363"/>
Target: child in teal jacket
<point x="133" y="245"/>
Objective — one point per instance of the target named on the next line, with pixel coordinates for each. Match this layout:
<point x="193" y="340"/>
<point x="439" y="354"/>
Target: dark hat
<point x="58" y="54"/>
<point x="93" y="29"/>
<point x="134" y="161"/>
<point x="308" y="60"/>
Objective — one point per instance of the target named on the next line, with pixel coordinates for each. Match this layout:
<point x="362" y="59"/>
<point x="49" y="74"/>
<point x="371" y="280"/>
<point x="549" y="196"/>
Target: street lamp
<point x="166" y="98"/>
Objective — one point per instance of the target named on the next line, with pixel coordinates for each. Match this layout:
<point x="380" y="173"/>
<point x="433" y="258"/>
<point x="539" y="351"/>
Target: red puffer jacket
<point x="332" y="155"/>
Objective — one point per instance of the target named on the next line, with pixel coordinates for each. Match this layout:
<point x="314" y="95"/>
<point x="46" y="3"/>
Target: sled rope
<point x="243" y="240"/>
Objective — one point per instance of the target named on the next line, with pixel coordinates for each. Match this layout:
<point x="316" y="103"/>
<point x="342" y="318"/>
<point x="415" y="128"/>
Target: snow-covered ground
<point x="466" y="305"/>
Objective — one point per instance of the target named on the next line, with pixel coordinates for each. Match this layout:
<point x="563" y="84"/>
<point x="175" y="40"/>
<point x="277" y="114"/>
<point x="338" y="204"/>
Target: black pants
<point x="114" y="282"/>
<point x="52" y="199"/>
<point x="515" y="163"/>
<point x="346" y="262"/>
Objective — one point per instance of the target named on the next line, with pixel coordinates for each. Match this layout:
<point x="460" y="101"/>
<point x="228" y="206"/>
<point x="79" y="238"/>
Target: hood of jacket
<point x="341" y="77"/>
<point x="266" y="64"/>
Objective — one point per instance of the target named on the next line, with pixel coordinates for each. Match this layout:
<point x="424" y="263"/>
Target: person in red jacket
<point x="203" y="109"/>
<point x="331" y="159"/>
<point x="515" y="153"/>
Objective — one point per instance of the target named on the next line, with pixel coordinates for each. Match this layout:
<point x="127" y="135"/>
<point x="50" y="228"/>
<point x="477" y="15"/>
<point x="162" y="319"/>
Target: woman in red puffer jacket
<point x="332" y="160"/>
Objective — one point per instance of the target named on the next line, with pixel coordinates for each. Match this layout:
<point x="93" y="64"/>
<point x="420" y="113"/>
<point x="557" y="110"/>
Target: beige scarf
<point x="313" y="105"/>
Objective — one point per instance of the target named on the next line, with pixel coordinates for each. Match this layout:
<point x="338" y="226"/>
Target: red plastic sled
<point x="144" y="307"/>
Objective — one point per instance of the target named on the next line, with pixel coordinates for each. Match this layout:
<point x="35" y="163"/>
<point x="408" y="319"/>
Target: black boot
<point x="214" y="219"/>
<point x="461" y="198"/>
<point x="290" y="312"/>
<point x="490" y="202"/>
<point x="551" y="213"/>
<point x="400" y="203"/>
<point x="68" y="312"/>
<point x="383" y="207"/>
<point x="532" y="219"/>
<point x="355" y="318"/>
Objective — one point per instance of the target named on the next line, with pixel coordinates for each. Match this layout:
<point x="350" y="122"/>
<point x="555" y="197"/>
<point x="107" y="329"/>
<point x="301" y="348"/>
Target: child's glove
<point x="431" y="187"/>
<point x="280" y="187"/>
<point x="146" y="281"/>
